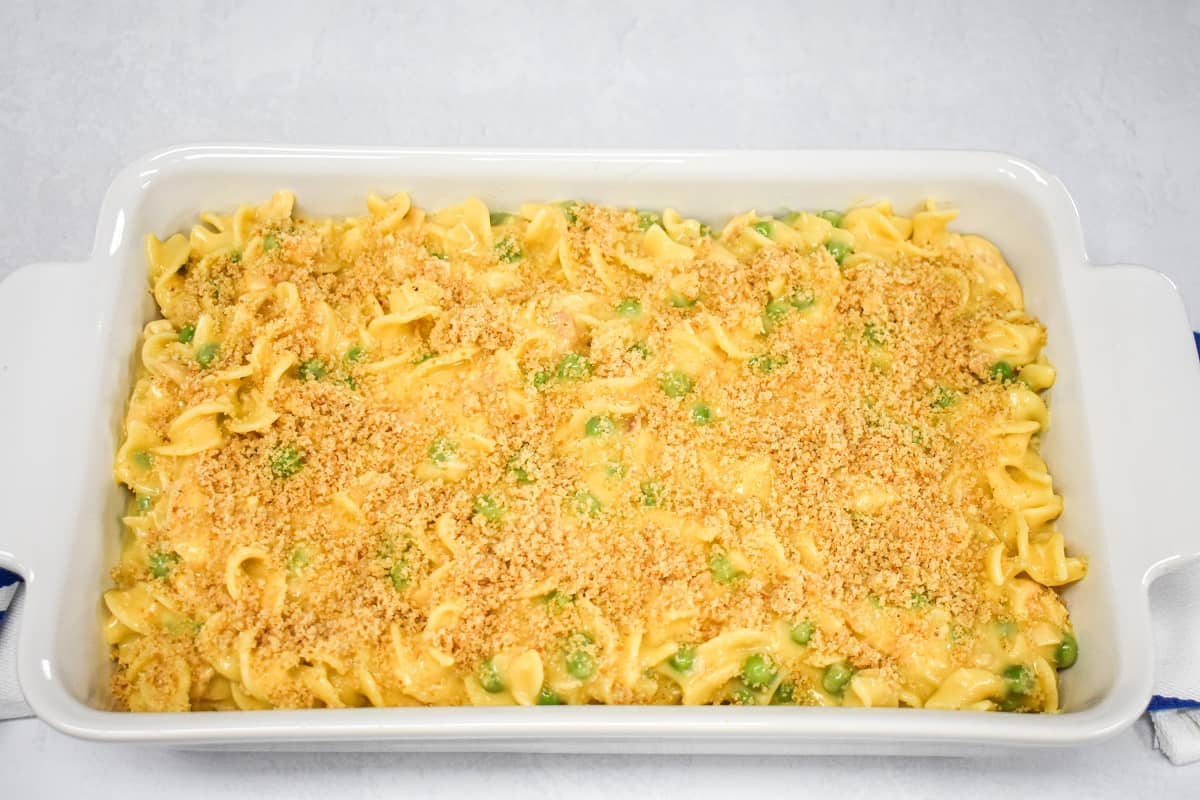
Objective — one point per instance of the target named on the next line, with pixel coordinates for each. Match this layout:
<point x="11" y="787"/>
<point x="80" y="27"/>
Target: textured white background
<point x="1104" y="94"/>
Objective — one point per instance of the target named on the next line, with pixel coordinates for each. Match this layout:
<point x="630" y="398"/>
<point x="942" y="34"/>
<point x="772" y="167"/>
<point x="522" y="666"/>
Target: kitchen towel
<point x="12" y="702"/>
<point x="1175" y="708"/>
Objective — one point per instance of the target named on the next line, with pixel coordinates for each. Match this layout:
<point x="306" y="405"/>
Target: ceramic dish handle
<point x="1150" y="418"/>
<point x="44" y="342"/>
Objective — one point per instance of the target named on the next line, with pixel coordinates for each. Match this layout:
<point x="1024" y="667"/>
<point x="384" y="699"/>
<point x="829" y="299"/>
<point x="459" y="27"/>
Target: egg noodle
<point x="580" y="454"/>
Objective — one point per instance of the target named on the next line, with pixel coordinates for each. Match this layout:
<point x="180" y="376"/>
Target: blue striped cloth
<point x="1161" y="702"/>
<point x="12" y="703"/>
<point x="8" y="587"/>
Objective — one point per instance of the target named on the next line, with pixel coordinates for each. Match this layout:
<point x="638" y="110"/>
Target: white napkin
<point x="1175" y="709"/>
<point x="12" y="702"/>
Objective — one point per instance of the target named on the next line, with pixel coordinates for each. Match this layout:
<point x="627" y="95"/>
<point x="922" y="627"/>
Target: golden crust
<point x="825" y="467"/>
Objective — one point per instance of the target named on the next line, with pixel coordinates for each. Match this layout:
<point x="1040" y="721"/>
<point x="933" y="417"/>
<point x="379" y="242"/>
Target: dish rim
<point x="1123" y="703"/>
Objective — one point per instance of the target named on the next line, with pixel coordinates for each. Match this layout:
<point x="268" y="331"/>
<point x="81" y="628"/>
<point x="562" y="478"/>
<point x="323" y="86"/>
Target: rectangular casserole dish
<point x="1124" y="427"/>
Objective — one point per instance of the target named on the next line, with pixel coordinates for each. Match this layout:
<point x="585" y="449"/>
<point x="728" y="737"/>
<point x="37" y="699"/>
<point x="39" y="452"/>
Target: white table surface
<point x="1105" y="95"/>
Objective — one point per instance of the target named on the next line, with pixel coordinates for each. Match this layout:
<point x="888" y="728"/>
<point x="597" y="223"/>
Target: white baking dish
<point x="1125" y="432"/>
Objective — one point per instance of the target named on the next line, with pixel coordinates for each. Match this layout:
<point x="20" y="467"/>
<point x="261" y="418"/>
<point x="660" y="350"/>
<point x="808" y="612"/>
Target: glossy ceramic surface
<point x="1124" y="430"/>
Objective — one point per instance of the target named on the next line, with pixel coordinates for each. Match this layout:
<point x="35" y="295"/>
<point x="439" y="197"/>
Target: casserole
<point x="1128" y="378"/>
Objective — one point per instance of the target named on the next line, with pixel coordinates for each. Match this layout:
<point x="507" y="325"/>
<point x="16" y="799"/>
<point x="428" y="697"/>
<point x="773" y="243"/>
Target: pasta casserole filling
<point x="579" y="454"/>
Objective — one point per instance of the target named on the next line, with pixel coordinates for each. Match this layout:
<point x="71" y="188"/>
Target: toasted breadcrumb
<point x="844" y="401"/>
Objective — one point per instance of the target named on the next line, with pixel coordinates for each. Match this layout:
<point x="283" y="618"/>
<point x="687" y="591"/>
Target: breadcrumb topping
<point x="544" y="459"/>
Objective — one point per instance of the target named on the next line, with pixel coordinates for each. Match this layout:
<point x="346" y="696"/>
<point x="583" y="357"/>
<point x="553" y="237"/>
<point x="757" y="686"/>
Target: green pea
<point x="705" y="230"/>
<point x="441" y="450"/>
<point x="489" y="507"/>
<point x="785" y="694"/>
<point x="674" y="383"/>
<point x="400" y="575"/>
<point x="681" y="301"/>
<point x="628" y="308"/>
<point x="647" y="219"/>
<point x="918" y="600"/>
<point x="836" y="676"/>
<point x="235" y="256"/>
<point x="599" y="426"/>
<point x="285" y="461"/>
<point x="764" y="228"/>
<point x="183" y="627"/>
<point x="1002" y="371"/>
<point x="574" y="367"/>
<point x="839" y="250"/>
<point x="518" y="466"/>
<point x="143" y="459"/>
<point x="741" y="696"/>
<point x="1012" y="702"/>
<point x="875" y="334"/>
<point x="641" y="349"/>
<point x="586" y="504"/>
<point x="943" y="397"/>
<point x="541" y="378"/>
<point x="581" y="665"/>
<point x="766" y="363"/>
<point x="269" y="243"/>
<point x="1019" y="679"/>
<point x="299" y="559"/>
<point x="777" y="308"/>
<point x="802" y="632"/>
<point x="1005" y="628"/>
<point x="774" y="313"/>
<point x="570" y="211"/>
<point x="162" y="562"/>
<point x="802" y="299"/>
<point x="834" y="218"/>
<point x="1067" y="651"/>
<point x="683" y="658"/>
<point x="489" y="677"/>
<point x="507" y="250"/>
<point x="557" y="600"/>
<point x="355" y="354"/>
<point x="144" y="503"/>
<point x="547" y="697"/>
<point x="758" y="670"/>
<point x="312" y="370"/>
<point x="207" y="354"/>
<point x="615" y="469"/>
<point x="652" y="493"/>
<point x="701" y="414"/>
<point x="499" y="217"/>
<point x="187" y="333"/>
<point x="348" y="381"/>
<point x="722" y="569"/>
